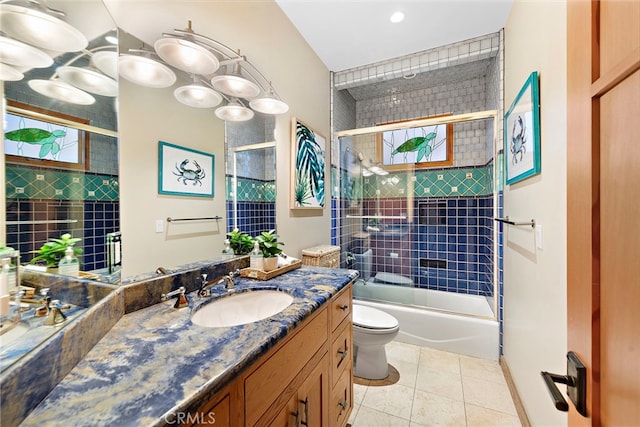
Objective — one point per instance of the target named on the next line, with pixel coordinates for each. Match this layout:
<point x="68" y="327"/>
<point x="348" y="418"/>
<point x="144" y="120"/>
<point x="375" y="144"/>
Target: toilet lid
<point x="393" y="279"/>
<point x="372" y="318"/>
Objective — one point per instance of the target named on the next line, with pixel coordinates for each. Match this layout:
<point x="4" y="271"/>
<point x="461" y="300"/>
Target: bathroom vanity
<point x="156" y="367"/>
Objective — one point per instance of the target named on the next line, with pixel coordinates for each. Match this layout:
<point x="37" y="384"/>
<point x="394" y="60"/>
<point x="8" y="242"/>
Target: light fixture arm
<point x="83" y="53"/>
<point x="228" y="56"/>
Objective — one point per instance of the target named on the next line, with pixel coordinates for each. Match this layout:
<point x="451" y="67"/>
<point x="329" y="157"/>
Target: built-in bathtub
<point x="458" y="323"/>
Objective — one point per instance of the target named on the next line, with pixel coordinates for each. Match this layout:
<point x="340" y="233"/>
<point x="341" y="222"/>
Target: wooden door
<point x="603" y="206"/>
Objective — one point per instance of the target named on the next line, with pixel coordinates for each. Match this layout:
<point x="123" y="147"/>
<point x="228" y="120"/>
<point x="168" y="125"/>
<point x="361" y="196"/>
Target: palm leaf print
<point x="310" y="161"/>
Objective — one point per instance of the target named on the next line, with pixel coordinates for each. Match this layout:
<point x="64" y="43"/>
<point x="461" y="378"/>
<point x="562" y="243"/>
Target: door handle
<point x="576" y="381"/>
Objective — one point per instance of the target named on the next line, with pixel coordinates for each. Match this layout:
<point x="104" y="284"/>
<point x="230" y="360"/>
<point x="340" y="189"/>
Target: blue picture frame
<point x="184" y="171"/>
<point x="522" y="133"/>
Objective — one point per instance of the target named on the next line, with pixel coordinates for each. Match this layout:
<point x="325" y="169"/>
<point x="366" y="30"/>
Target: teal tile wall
<point x="443" y="182"/>
<point x="252" y="190"/>
<point x="30" y="183"/>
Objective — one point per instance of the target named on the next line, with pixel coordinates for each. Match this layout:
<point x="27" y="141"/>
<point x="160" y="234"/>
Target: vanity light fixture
<point x="107" y="62"/>
<point x="88" y="80"/>
<point x="40" y="26"/>
<point x="234" y="112"/>
<point x="198" y="96"/>
<point x="220" y="74"/>
<point x="145" y="71"/>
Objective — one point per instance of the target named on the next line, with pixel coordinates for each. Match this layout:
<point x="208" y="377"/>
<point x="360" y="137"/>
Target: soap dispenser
<point x="256" y="257"/>
<point x="69" y="265"/>
<point x="227" y="251"/>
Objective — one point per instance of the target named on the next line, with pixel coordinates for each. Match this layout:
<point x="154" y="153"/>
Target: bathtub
<point x="447" y="321"/>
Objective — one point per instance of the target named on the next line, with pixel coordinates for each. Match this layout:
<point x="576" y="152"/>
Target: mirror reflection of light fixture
<point x="198" y="96"/>
<point x="145" y="71"/>
<point x="89" y="80"/>
<point x="234" y="112"/>
<point x="40" y="26"/>
<point x="201" y="57"/>
<point x="14" y="52"/>
<point x="61" y="91"/>
<point x="107" y="62"/>
<point x="9" y="74"/>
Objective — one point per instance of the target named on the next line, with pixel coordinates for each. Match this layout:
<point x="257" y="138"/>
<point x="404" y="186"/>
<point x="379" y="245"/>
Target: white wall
<point x="535" y="313"/>
<point x="264" y="34"/>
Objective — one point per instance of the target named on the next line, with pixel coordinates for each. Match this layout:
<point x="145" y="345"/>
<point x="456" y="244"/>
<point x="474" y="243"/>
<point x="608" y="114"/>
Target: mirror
<point x="251" y="175"/>
<point x="48" y="194"/>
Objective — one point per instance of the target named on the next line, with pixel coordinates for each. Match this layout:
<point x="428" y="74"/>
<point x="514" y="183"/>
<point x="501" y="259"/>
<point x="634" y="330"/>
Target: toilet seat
<point x="373" y="319"/>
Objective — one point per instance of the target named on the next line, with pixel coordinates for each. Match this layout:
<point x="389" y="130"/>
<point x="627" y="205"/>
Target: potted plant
<point x="269" y="245"/>
<point x="53" y="251"/>
<point x="240" y="242"/>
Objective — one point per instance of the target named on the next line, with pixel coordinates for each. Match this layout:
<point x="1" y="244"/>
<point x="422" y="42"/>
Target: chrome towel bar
<point x="506" y="220"/>
<point x="204" y="218"/>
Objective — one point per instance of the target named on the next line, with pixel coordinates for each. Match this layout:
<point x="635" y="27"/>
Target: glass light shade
<point x="9" y="74"/>
<point x="145" y="71"/>
<point x="366" y="172"/>
<point x="186" y="55"/>
<point x="89" y="80"/>
<point x="14" y="52"/>
<point x="378" y="170"/>
<point x="234" y="112"/>
<point x="197" y="96"/>
<point x="268" y="105"/>
<point x="107" y="62"/>
<point x="62" y="91"/>
<point x="40" y="29"/>
<point x="236" y="86"/>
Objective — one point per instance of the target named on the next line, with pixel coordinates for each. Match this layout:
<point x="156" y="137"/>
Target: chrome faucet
<point x="55" y="315"/>
<point x="228" y="279"/>
<point x="181" y="301"/>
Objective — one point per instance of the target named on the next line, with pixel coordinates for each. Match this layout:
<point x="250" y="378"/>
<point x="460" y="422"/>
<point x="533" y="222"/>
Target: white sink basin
<point x="242" y="308"/>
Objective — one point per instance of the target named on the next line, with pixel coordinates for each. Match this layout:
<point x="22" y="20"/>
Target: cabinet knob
<point x="343" y="307"/>
<point x="343" y="405"/>
<point x="343" y="354"/>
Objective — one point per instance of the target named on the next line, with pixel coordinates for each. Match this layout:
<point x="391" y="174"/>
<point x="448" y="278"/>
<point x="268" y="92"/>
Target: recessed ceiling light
<point x="397" y="17"/>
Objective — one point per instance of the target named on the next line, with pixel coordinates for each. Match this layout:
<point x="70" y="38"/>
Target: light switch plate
<point x="159" y="226"/>
<point x="539" y="236"/>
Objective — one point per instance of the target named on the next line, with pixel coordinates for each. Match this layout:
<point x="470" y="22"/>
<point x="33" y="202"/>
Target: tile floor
<point x="435" y="388"/>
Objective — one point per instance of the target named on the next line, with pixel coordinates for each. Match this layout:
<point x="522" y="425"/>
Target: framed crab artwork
<point x="184" y="172"/>
<point x="522" y="133"/>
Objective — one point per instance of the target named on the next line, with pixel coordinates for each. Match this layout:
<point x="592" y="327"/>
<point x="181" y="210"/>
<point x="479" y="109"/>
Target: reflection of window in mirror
<point x="48" y="194"/>
<point x="251" y="175"/>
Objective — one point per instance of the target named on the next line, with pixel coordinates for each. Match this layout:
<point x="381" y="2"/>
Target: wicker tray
<point x="254" y="273"/>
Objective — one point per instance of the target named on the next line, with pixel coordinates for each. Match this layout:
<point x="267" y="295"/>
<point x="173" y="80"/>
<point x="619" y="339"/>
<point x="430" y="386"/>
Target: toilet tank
<point x="363" y="263"/>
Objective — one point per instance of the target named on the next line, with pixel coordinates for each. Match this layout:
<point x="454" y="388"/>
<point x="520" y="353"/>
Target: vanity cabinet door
<point x="218" y="414"/>
<point x="308" y="406"/>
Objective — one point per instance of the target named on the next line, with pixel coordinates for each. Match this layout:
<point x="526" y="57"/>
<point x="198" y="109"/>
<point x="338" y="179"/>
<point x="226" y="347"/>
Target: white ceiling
<point x="351" y="33"/>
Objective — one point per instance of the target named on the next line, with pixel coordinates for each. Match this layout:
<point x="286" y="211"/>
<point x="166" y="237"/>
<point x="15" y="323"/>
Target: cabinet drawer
<point x="341" y="351"/>
<point x="341" y="400"/>
<point x="266" y="383"/>
<point x="340" y="307"/>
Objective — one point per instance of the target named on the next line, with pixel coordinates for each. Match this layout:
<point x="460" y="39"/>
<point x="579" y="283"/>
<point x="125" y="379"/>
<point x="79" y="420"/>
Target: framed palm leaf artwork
<point x="307" y="167"/>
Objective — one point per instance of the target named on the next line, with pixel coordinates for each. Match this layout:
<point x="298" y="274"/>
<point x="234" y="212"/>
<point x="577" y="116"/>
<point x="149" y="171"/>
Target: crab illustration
<point x="518" y="140"/>
<point x="185" y="174"/>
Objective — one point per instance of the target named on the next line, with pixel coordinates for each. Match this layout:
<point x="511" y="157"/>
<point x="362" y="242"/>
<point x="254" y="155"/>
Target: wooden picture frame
<point x="184" y="171"/>
<point x="308" y="150"/>
<point x="522" y="133"/>
<point x="418" y="147"/>
<point x="39" y="137"/>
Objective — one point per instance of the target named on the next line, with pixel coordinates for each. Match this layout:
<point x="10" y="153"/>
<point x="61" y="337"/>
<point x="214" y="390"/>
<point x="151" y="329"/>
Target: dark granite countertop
<point x="155" y="363"/>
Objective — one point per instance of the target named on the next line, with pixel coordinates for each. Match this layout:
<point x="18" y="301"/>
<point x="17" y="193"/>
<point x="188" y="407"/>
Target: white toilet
<point x="372" y="328"/>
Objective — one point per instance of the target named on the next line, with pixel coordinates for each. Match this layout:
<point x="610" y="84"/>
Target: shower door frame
<point x="458" y="118"/>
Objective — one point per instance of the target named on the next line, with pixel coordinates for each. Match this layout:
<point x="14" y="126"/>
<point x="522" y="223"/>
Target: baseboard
<point x="522" y="414"/>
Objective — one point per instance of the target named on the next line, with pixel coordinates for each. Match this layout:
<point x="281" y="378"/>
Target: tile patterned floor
<point x="435" y="388"/>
